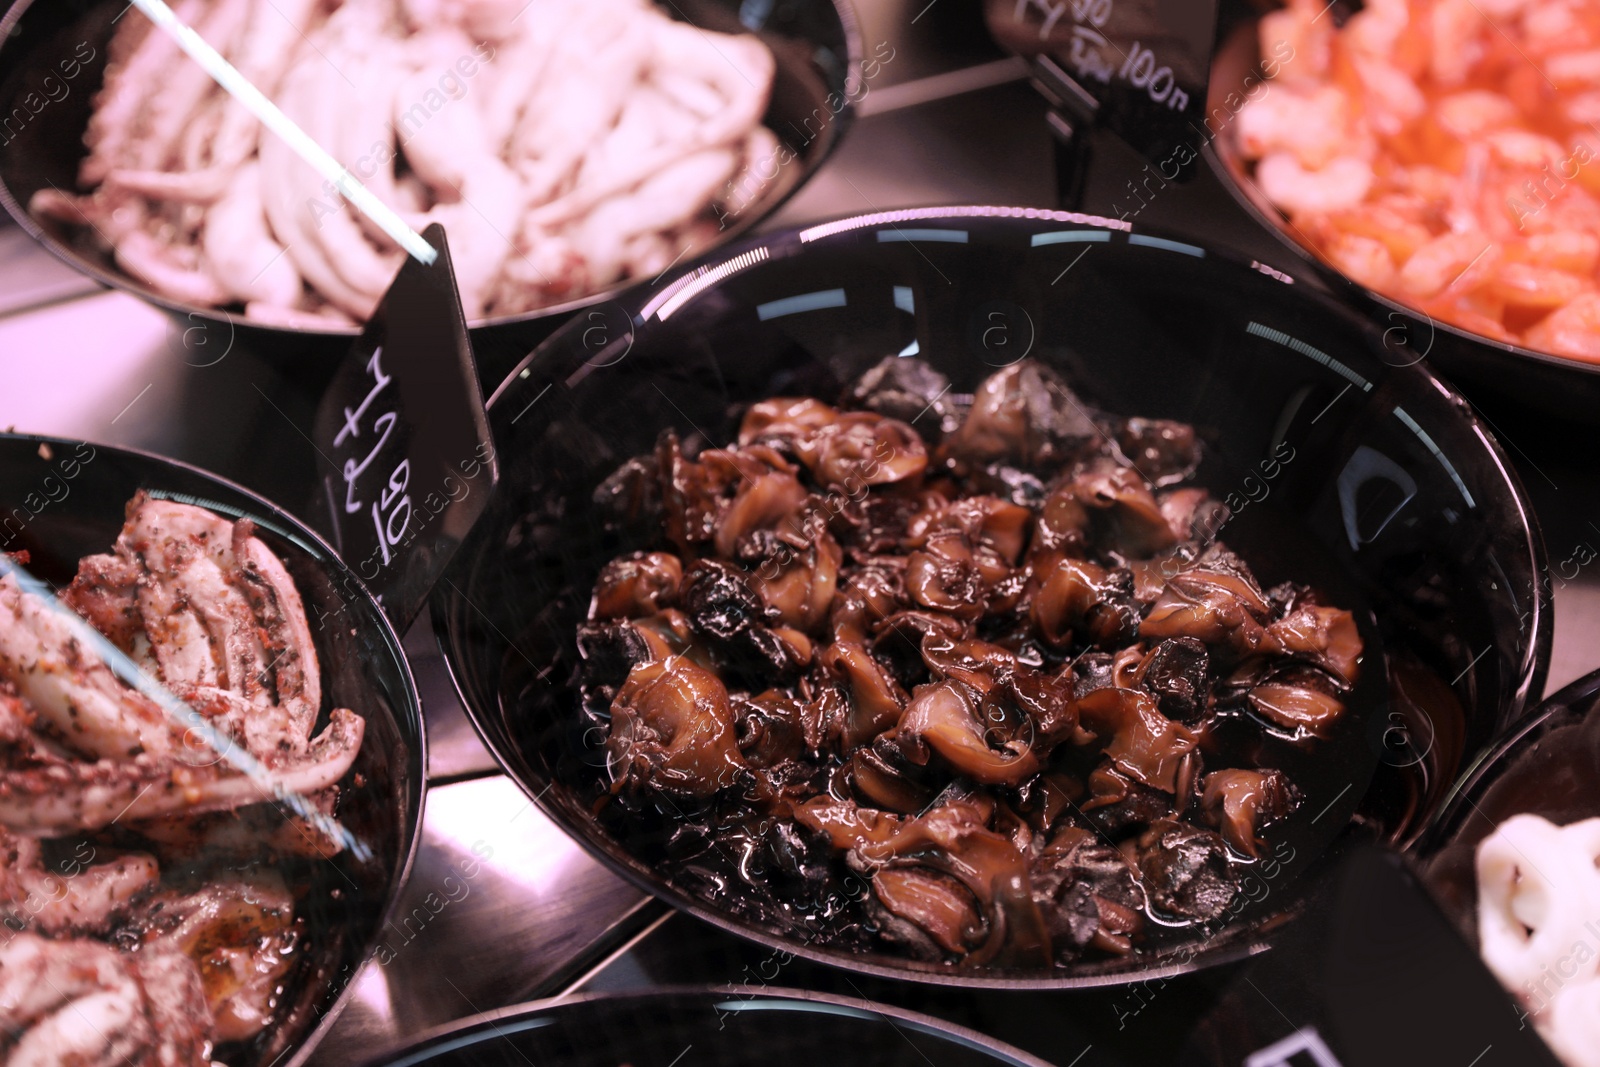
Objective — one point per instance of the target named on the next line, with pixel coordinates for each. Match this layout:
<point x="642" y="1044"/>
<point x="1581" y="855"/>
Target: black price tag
<point x="411" y="459"/>
<point x="1372" y="975"/>
<point x="1140" y="66"/>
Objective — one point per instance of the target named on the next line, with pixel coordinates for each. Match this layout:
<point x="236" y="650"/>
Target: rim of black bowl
<point x="325" y="556"/>
<point x="1240" y="942"/>
<point x="416" y="1050"/>
<point x="1231" y="175"/>
<point x="117" y="280"/>
<point x="1568" y="706"/>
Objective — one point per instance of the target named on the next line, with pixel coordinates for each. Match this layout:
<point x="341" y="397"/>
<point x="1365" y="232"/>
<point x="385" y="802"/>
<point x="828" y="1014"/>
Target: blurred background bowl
<point x="58" y="518"/>
<point x="724" y="1029"/>
<point x="816" y="43"/>
<point x="1546" y="765"/>
<point x="1398" y="504"/>
<point x="1491" y="372"/>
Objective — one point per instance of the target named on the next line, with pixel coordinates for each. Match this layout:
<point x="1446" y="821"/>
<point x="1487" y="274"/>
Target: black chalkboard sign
<point x="1138" y="66"/>
<point x="410" y="460"/>
<point x="1372" y="975"/>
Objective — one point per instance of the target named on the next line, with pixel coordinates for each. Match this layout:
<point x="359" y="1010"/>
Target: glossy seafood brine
<point x="149" y="889"/>
<point x="968" y="678"/>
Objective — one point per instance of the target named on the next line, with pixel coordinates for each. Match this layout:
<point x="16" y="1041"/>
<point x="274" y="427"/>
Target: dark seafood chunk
<point x="609" y="651"/>
<point x="1160" y="449"/>
<point x="1089" y="894"/>
<point x="909" y="390"/>
<point x="1024" y="414"/>
<point x="1177" y="675"/>
<point x="1186" y="871"/>
<point x="947" y="718"/>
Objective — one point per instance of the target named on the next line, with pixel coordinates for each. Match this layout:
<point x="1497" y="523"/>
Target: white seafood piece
<point x="84" y="1003"/>
<point x="240" y="249"/>
<point x="1571" y="1027"/>
<point x="666" y="200"/>
<point x="113" y="125"/>
<point x="1536" y="893"/>
<point x="83" y="900"/>
<point x="79" y="797"/>
<point x="180" y="91"/>
<point x="152" y="262"/>
<point x="244" y="833"/>
<point x="758" y="172"/>
<point x="71" y="690"/>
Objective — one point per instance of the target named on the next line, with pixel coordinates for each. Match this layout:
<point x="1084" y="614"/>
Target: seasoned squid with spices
<point x="986" y="692"/>
<point x="145" y="878"/>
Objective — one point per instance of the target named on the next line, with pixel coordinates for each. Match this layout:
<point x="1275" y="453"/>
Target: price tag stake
<point x="410" y="460"/>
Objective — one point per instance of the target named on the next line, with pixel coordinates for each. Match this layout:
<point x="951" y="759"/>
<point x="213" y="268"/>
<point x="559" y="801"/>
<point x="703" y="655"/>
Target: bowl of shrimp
<point x="1437" y="162"/>
<point x="193" y="874"/>
<point x="568" y="148"/>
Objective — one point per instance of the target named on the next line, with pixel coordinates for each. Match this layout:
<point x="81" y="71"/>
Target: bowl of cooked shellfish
<point x="1513" y="860"/>
<point x="1437" y="164"/>
<point x="211" y="766"/>
<point x="568" y="148"/>
<point x="990" y="596"/>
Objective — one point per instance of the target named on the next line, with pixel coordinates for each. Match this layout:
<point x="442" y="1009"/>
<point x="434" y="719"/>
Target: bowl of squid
<point x="201" y="889"/>
<point x="1513" y="861"/>
<point x="568" y="148"/>
<point x="989" y="596"/>
<point x="1417" y="159"/>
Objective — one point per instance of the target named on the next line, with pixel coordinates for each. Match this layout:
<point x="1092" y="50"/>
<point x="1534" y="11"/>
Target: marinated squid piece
<point x="867" y="600"/>
<point x="966" y="556"/>
<point x="785" y="421"/>
<point x="1118" y="804"/>
<point x="947" y="717"/>
<point x="1077" y="598"/>
<point x="610" y="650"/>
<point x="1139" y="741"/>
<point x="726" y="612"/>
<point x="69" y="897"/>
<point x="83" y="1002"/>
<point x="240" y="936"/>
<point x="1024" y="414"/>
<point x="1089" y="894"/>
<point x="862" y="449"/>
<point x="954" y="838"/>
<point x="1122" y="510"/>
<point x="1242" y="802"/>
<point x="797" y="584"/>
<point x="909" y="391"/>
<point x="642" y="584"/>
<point x="1217" y="605"/>
<point x="882" y="776"/>
<point x="672" y="731"/>
<point x="1296" y="697"/>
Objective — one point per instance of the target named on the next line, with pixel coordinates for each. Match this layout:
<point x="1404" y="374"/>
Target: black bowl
<point x="1398" y="503"/>
<point x="724" y="1029"/>
<point x="819" y="60"/>
<point x="61" y="500"/>
<point x="1491" y="372"/>
<point x="1546" y="765"/>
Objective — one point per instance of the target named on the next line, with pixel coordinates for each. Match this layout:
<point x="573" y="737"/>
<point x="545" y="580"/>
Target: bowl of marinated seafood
<point x="210" y="772"/>
<point x="1514" y="861"/>
<point x="990" y="596"/>
<point x="1439" y="160"/>
<point x="568" y="148"/>
<point x="724" y="1029"/>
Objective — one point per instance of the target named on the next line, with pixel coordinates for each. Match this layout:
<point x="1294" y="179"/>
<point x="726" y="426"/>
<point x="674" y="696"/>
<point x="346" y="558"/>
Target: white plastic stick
<point x="256" y="102"/>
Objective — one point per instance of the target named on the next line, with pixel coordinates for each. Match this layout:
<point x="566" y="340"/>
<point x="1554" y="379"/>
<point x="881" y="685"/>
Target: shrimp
<point x="1572" y="331"/>
<point x="1342" y="183"/>
<point x="1308" y="123"/>
<point x="1442" y="262"/>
